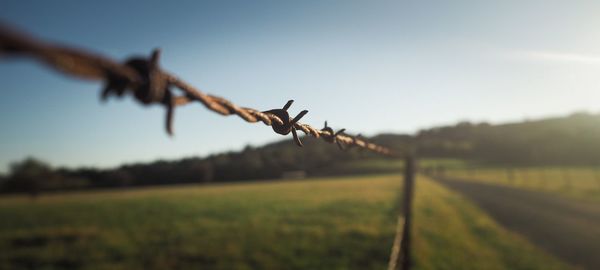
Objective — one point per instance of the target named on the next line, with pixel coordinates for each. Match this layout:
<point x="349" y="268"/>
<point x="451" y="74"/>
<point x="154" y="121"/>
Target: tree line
<point x="268" y="162"/>
<point x="571" y="140"/>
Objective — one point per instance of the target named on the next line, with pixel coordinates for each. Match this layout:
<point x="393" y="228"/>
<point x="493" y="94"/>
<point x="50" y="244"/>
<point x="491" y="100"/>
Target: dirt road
<point x="567" y="228"/>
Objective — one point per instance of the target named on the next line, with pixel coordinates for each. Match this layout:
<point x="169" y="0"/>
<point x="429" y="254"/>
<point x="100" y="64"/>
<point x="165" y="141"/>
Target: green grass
<point x="452" y="233"/>
<point x="369" y="166"/>
<point x="447" y="163"/>
<point x="386" y="166"/>
<point x="581" y="183"/>
<point x="335" y="223"/>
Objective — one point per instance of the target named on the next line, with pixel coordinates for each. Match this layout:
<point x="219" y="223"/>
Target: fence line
<point x="149" y="84"/>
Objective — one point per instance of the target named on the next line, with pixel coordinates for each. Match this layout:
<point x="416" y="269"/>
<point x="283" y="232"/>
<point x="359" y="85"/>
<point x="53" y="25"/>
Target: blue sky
<point x="368" y="66"/>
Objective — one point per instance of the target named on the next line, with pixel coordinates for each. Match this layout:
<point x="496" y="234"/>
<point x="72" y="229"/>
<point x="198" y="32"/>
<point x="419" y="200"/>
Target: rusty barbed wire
<point x="149" y="84"/>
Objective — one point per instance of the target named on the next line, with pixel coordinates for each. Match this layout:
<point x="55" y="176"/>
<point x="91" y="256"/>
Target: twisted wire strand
<point x="151" y="85"/>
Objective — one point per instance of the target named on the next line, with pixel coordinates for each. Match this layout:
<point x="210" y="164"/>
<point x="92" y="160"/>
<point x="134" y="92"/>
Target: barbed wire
<point x="149" y="84"/>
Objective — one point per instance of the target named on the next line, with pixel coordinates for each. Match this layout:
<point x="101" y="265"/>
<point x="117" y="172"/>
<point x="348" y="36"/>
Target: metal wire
<point x="149" y="84"/>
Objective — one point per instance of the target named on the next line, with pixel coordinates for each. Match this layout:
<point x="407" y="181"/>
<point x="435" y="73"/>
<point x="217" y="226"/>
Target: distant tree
<point x="3" y="180"/>
<point x="30" y="175"/>
<point x="201" y="171"/>
<point x="119" y="178"/>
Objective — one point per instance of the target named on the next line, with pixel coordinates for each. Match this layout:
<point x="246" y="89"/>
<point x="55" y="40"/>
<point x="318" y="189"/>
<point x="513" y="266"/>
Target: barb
<point x="149" y="84"/>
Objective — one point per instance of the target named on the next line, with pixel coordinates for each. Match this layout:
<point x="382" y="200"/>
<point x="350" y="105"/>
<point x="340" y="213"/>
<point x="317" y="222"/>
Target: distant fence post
<point x="405" y="262"/>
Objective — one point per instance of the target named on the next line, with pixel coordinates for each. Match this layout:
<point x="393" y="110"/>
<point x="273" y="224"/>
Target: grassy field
<point x="334" y="223"/>
<point x="386" y="165"/>
<point x="581" y="183"/>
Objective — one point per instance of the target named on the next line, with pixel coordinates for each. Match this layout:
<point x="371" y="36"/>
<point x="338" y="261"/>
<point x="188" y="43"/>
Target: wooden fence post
<point x="409" y="182"/>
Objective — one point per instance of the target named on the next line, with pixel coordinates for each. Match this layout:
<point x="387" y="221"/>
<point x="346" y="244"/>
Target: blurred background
<point x="498" y="100"/>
